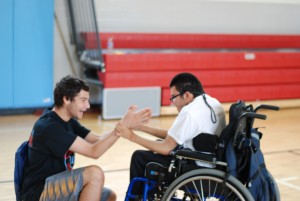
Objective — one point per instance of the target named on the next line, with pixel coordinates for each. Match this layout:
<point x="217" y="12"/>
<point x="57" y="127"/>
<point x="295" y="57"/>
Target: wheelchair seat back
<point x="235" y="127"/>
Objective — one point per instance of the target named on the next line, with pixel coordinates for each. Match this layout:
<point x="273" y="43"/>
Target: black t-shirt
<point x="48" y="152"/>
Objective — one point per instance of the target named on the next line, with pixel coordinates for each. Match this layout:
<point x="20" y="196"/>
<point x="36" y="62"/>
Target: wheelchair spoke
<point x="215" y="190"/>
<point x="187" y="192"/>
<point x="197" y="192"/>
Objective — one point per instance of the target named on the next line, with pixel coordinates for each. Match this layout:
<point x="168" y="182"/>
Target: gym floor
<point x="280" y="145"/>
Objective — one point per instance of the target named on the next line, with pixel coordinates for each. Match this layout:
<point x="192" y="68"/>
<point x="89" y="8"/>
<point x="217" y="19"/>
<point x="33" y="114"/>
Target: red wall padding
<point x="227" y="76"/>
<point x="191" y="41"/>
<point x="209" y="78"/>
<point x="199" y="60"/>
<point x="246" y="93"/>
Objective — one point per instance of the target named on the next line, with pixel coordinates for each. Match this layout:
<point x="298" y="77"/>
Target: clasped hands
<point x="133" y="119"/>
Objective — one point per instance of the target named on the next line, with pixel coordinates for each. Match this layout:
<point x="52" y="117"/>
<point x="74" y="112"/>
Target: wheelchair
<point x="184" y="180"/>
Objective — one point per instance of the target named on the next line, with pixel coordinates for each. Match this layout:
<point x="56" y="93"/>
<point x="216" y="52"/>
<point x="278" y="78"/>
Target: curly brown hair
<point x="68" y="87"/>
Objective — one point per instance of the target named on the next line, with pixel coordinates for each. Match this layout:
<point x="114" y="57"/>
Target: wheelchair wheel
<point x="206" y="185"/>
<point x="277" y="193"/>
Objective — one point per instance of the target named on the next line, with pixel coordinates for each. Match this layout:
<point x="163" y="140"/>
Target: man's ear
<point x="66" y="101"/>
<point x="189" y="96"/>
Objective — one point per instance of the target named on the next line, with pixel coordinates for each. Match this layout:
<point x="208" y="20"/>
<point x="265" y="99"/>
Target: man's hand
<point x="133" y="118"/>
<point x="124" y="131"/>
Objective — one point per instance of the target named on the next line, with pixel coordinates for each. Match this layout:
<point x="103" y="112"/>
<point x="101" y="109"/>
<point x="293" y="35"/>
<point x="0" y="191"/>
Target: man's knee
<point x="93" y="173"/>
<point x="138" y="154"/>
<point x="112" y="196"/>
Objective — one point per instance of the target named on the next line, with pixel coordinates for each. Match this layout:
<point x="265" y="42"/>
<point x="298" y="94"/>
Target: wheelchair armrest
<point x="196" y="155"/>
<point x="199" y="156"/>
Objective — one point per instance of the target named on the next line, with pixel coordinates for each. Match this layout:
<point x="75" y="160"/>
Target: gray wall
<point x="178" y="16"/>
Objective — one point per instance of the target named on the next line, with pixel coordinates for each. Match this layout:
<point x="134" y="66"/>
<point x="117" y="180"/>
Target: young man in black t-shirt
<point x="56" y="136"/>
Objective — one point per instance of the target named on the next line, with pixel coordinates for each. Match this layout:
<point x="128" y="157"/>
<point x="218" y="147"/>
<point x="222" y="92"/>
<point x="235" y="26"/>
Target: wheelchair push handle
<point x="268" y="107"/>
<point x="253" y="115"/>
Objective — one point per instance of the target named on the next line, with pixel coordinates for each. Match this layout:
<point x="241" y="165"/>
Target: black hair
<point x="68" y="87"/>
<point x="184" y="82"/>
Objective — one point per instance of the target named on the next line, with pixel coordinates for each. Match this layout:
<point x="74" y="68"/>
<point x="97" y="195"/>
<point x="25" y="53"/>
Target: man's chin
<point x="79" y="116"/>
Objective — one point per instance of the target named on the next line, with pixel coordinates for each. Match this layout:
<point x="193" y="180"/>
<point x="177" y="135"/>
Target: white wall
<point x="199" y="16"/>
<point x="179" y="16"/>
<point x="65" y="58"/>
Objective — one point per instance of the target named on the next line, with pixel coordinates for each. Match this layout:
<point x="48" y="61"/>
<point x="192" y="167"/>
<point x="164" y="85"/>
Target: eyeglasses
<point x="173" y="97"/>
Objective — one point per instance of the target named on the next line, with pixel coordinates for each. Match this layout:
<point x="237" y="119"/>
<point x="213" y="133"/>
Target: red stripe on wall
<point x="200" y="60"/>
<point x="194" y="41"/>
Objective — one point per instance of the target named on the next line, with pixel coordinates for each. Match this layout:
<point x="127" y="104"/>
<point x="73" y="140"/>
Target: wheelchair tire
<point x="205" y="185"/>
<point x="277" y="193"/>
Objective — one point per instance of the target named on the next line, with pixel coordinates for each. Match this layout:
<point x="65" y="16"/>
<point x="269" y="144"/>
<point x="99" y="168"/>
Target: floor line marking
<point x="288" y="185"/>
<point x="289" y="179"/>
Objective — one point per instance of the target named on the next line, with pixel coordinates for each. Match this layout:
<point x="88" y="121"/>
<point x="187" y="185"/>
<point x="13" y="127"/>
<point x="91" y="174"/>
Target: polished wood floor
<point x="280" y="144"/>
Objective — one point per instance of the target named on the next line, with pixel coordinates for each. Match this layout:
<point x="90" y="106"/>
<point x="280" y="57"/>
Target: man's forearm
<point x="104" y="144"/>
<point x="155" y="146"/>
<point x="160" y="133"/>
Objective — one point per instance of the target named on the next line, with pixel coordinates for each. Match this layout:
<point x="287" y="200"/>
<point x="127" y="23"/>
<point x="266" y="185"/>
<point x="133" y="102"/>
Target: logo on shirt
<point x="31" y="138"/>
<point x="69" y="160"/>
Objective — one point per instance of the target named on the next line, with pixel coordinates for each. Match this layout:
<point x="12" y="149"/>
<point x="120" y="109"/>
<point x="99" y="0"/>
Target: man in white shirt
<point x="199" y="113"/>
